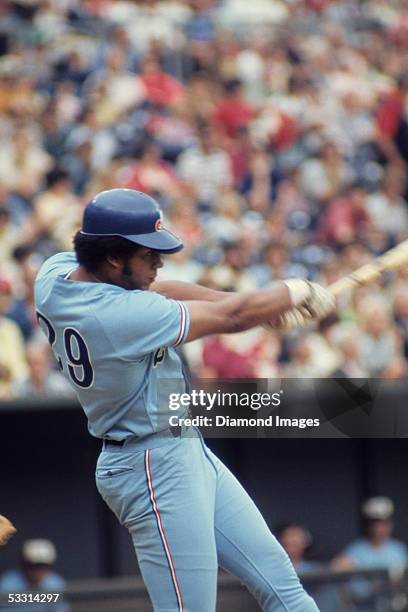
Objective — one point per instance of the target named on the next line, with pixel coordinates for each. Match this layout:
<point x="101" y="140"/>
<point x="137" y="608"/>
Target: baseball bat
<point x="393" y="259"/>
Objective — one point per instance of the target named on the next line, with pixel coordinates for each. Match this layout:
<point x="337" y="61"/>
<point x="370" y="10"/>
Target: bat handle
<point x="343" y="284"/>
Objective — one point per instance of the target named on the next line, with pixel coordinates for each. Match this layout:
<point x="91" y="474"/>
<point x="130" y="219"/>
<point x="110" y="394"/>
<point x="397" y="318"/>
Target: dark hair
<point x="231" y="86"/>
<point x="22" y="251"/>
<point x="280" y="530"/>
<point x="56" y="175"/>
<point x="92" y="251"/>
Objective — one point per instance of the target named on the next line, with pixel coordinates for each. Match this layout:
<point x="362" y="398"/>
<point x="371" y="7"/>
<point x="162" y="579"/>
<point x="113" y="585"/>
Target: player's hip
<point x="168" y="472"/>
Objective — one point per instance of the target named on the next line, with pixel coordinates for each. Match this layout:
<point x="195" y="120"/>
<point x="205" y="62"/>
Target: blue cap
<point x="129" y="214"/>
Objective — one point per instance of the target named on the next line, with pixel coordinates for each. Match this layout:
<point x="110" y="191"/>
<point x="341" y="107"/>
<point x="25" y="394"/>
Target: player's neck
<point x="82" y="275"/>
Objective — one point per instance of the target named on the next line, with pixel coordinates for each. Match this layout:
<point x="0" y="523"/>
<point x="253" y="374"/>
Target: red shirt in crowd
<point x="232" y="114"/>
<point x="162" y="88"/>
<point x="225" y="362"/>
<point x="341" y="222"/>
<point x="152" y="178"/>
<point x="389" y="113"/>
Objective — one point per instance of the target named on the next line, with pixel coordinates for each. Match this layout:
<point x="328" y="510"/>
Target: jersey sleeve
<point x="143" y="321"/>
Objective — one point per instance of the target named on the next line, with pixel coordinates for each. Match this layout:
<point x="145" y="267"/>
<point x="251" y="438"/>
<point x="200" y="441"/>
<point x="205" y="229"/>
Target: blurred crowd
<point x="274" y="135"/>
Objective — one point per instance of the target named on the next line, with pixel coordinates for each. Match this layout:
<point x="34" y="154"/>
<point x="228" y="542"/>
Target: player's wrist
<point x="299" y="290"/>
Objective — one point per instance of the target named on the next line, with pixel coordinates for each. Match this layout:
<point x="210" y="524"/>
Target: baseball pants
<point x="187" y="514"/>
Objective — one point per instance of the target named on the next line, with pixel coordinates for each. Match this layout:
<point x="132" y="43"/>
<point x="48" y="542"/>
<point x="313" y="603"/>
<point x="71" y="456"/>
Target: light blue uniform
<point x="185" y="511"/>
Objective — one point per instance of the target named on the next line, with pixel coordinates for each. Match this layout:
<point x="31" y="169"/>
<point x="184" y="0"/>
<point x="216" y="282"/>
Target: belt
<point x="171" y="431"/>
<point x="113" y="442"/>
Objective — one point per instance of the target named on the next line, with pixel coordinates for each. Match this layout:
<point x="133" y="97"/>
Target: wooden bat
<point x="393" y="259"/>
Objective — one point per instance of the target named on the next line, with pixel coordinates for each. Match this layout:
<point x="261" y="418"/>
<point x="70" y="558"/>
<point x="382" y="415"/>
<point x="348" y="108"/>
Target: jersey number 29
<point x="76" y="351"/>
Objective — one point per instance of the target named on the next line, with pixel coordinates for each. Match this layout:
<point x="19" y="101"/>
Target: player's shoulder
<point x="57" y="264"/>
<point x="129" y="301"/>
<point x="132" y="311"/>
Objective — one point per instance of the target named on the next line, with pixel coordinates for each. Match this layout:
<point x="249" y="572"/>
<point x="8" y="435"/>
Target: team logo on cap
<point x="159" y="223"/>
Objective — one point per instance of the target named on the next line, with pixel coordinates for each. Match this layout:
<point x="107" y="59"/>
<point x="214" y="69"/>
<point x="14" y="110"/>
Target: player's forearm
<point x="252" y="308"/>
<point x="292" y="299"/>
<point x="238" y="312"/>
<point x="178" y="290"/>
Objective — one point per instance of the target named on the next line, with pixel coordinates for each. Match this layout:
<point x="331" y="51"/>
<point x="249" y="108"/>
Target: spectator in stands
<point x="297" y="541"/>
<point x="153" y="175"/>
<point x="387" y="209"/>
<point x="346" y="338"/>
<point x="161" y="88"/>
<point x="43" y="380"/>
<point x="10" y="236"/>
<point x="233" y="112"/>
<point x="36" y="574"/>
<point x="121" y="90"/>
<point x="23" y="164"/>
<point x="311" y="356"/>
<point x="345" y="218"/>
<point x="225" y="358"/>
<point x="22" y="309"/>
<point x="323" y="178"/>
<point x="376" y="548"/>
<point x="13" y="365"/>
<point x="205" y="168"/>
<point x="380" y="339"/>
<point x="57" y="212"/>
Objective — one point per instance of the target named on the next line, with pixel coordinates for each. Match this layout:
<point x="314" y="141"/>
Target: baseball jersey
<point x="115" y="346"/>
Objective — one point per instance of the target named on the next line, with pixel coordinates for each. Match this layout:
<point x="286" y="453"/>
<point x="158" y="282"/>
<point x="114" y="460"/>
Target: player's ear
<point x="114" y="262"/>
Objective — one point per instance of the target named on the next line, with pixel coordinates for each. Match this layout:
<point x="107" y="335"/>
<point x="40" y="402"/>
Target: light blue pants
<point x="187" y="514"/>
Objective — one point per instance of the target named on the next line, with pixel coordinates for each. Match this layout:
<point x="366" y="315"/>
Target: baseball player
<point x="114" y="330"/>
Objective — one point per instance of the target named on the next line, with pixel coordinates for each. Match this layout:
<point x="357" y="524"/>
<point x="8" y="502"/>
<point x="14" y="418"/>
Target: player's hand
<point x="320" y="303"/>
<point x="291" y="319"/>
<point x="317" y="300"/>
<point x="7" y="530"/>
<point x="312" y="302"/>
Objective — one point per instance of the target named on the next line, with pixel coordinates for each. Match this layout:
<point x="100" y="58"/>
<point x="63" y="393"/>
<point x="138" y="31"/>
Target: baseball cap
<point x="39" y="551"/>
<point x="378" y="508"/>
<point x="130" y="214"/>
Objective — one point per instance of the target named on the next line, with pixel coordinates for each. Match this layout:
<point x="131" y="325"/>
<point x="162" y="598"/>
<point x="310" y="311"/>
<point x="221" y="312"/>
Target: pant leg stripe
<point x="162" y="532"/>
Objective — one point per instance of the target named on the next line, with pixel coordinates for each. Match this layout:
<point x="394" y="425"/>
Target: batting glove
<point x="317" y="300"/>
<point x="291" y="319"/>
<point x="321" y="302"/>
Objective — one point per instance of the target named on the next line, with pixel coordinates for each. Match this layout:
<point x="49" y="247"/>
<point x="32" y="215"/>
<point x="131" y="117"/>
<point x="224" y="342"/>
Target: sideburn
<point x="127" y="269"/>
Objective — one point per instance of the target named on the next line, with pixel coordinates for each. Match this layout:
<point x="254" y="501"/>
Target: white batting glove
<point x="291" y="319"/>
<point x="317" y="300"/>
<point x="321" y="302"/>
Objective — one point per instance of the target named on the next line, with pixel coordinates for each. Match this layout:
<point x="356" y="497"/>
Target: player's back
<point x="114" y="346"/>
